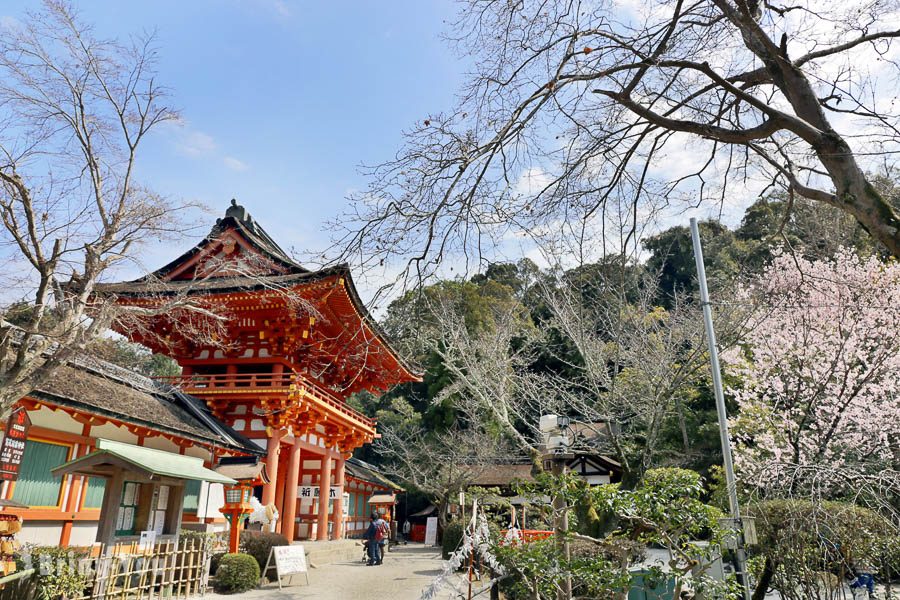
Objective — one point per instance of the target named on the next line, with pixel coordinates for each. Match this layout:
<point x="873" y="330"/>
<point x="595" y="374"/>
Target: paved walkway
<point x="406" y="571"/>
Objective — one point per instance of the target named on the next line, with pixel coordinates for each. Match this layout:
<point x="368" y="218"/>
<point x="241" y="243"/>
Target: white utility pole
<point x="720" y="408"/>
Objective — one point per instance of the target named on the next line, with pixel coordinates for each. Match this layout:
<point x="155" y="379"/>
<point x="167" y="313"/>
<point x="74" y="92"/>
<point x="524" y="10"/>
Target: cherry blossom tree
<point x="820" y="393"/>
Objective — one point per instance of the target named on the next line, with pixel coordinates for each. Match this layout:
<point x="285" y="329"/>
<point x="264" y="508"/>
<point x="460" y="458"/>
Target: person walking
<point x="371" y="538"/>
<point x="382" y="531"/>
<point x="406" y="529"/>
<point x="864" y="578"/>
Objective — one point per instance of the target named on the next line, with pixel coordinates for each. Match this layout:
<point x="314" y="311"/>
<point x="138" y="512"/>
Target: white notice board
<point x="431" y="531"/>
<point x="289" y="560"/>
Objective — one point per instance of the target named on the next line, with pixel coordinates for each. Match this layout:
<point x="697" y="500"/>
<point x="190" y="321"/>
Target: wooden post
<point x="324" y="492"/>
<point x="337" y="516"/>
<point x="112" y="497"/>
<point x="268" y="495"/>
<point x="288" y="516"/>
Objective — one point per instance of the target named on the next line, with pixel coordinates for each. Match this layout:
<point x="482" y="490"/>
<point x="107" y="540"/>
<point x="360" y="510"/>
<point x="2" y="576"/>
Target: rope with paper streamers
<point x="476" y="538"/>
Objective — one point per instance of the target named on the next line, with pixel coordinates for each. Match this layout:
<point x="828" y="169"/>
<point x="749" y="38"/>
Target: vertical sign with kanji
<point x="13" y="448"/>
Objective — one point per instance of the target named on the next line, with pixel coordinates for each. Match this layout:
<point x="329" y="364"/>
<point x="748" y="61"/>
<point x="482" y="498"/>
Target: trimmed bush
<point x="451" y="538"/>
<point x="57" y="570"/>
<point x="258" y="544"/>
<point x="237" y="573"/>
<point x="214" y="562"/>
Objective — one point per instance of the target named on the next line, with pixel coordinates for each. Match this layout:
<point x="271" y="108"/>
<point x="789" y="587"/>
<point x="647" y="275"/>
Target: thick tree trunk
<point x="853" y="191"/>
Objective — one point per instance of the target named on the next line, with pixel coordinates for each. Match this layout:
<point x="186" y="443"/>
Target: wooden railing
<point x="198" y="384"/>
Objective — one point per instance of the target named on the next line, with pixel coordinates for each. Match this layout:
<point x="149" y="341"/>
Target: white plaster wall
<point x="211" y="499"/>
<point x="161" y="443"/>
<point x="44" y="533"/>
<point x="83" y="533"/>
<point x="597" y="479"/>
<point x="111" y="432"/>
<point x="55" y="419"/>
<point x="312" y="464"/>
<point x="197" y="452"/>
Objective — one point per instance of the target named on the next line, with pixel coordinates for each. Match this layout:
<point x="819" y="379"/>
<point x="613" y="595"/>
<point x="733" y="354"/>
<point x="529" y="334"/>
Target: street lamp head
<point x="549" y="423"/>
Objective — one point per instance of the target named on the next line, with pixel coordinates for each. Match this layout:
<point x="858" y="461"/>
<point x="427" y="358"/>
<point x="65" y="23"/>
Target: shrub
<point x="207" y="540"/>
<point x="214" y="561"/>
<point x="58" y="571"/>
<point x="452" y="538"/>
<point x="802" y="542"/>
<point x="237" y="573"/>
<point x="258" y="544"/>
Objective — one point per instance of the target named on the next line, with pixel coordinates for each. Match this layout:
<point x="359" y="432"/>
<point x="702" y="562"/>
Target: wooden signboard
<point x="289" y="561"/>
<point x="13" y="448"/>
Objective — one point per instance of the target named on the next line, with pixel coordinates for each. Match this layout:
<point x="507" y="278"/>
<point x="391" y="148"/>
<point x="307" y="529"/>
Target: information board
<point x="431" y="531"/>
<point x="13" y="448"/>
<point x="288" y="561"/>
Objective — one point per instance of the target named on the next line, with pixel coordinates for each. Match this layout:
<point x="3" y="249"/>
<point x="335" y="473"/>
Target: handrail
<point x="198" y="383"/>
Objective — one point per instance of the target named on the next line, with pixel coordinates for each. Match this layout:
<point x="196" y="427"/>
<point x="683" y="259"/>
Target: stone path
<point x="406" y="571"/>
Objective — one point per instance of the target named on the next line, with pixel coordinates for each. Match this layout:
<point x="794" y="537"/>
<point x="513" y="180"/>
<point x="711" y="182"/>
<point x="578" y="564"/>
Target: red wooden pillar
<point x="324" y="491"/>
<point x="289" y="515"/>
<point x="283" y="458"/>
<point x="76" y="485"/>
<point x="337" y="516"/>
<point x="268" y="495"/>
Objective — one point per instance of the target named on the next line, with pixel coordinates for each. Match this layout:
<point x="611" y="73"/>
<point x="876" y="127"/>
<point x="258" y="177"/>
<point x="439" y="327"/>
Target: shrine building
<point x="292" y="345"/>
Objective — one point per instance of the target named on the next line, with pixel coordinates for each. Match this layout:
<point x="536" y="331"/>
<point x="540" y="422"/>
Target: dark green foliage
<point x="214" y="561"/>
<point x="451" y="538"/>
<point x="237" y="573"/>
<point x="672" y="260"/>
<point x="258" y="544"/>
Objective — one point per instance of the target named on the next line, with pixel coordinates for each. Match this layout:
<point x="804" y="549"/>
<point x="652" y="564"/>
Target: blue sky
<point x="282" y="100"/>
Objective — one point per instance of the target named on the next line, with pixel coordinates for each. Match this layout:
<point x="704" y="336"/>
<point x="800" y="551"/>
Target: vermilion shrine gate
<point x="296" y="344"/>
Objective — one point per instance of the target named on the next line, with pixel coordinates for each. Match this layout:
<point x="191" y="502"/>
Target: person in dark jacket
<point x="371" y="542"/>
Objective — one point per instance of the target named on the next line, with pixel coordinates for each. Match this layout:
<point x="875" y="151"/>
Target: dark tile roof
<point x="95" y="386"/>
<point x="366" y="472"/>
<point x="236" y="216"/>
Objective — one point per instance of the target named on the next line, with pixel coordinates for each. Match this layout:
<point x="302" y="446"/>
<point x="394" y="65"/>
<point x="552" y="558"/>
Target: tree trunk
<point x="765" y="580"/>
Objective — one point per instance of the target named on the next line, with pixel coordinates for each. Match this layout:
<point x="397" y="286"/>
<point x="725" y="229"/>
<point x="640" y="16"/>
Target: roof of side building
<point x="95" y="386"/>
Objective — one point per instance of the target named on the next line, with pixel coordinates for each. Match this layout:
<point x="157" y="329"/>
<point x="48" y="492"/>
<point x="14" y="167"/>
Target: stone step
<point x="328" y="552"/>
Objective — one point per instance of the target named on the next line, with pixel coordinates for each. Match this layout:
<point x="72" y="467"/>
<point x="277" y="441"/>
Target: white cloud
<point x="235" y="164"/>
<point x="196" y="144"/>
<point x="281" y="8"/>
<point x="9" y="22"/>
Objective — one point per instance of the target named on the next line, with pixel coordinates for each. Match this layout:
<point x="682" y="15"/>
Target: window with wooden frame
<point x="36" y="486"/>
<point x="93" y="494"/>
<point x="191" y="496"/>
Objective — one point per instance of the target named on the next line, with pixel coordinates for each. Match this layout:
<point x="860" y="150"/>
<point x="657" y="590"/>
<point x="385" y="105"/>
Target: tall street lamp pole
<point x="720" y="408"/>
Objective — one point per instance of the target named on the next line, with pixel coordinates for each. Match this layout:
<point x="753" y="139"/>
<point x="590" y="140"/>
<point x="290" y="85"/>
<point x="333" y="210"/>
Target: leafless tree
<point x="439" y="464"/>
<point x="623" y="367"/>
<point x="74" y="111"/>
<point x="575" y="108"/>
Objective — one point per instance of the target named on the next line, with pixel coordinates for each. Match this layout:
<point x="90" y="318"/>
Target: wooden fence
<point x="166" y="570"/>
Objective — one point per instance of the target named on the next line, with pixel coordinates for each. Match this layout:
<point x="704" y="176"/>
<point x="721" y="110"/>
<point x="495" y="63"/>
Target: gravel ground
<point x="406" y="571"/>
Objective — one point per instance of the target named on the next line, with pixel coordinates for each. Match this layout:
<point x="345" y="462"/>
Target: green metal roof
<point x="157" y="462"/>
